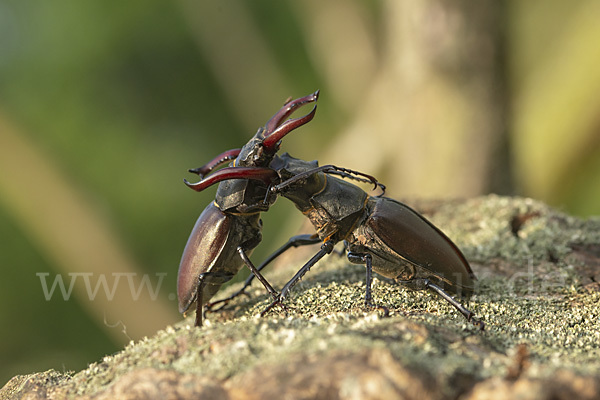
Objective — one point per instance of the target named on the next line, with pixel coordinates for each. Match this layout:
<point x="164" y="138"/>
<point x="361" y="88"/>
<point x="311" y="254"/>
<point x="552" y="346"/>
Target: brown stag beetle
<point x="230" y="227"/>
<point x="383" y="234"/>
<point x="387" y="236"/>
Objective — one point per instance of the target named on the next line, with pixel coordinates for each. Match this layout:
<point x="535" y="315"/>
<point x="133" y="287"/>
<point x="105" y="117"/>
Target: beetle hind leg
<point x="427" y="284"/>
<point x="205" y="281"/>
<point x="367" y="260"/>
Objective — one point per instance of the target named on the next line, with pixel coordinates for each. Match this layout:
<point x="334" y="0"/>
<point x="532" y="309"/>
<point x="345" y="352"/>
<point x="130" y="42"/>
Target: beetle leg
<point x="203" y="280"/>
<point x="365" y="258"/>
<point x="462" y="309"/>
<point x="210" y="307"/>
<point x="199" y="307"/>
<point x="294" y="241"/>
<point x="326" y="248"/>
<point x="256" y="272"/>
<point x="340" y="252"/>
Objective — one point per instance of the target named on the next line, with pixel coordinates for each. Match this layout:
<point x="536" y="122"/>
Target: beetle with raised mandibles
<point x="230" y="227"/>
<point x="385" y="235"/>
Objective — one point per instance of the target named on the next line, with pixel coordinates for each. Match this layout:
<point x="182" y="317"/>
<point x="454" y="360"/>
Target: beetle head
<point x="251" y="162"/>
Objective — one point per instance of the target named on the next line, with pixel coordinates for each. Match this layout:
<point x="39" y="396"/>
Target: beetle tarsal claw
<point x="277" y="302"/>
<point x="386" y="311"/>
<point x="478" y="323"/>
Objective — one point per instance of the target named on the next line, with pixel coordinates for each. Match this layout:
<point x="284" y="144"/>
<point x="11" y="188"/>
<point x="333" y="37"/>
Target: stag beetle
<point x="385" y="235"/>
<point x="381" y="233"/>
<point x="230" y="227"/>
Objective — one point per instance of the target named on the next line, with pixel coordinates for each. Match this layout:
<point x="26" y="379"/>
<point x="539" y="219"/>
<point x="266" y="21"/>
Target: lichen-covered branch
<point x="537" y="292"/>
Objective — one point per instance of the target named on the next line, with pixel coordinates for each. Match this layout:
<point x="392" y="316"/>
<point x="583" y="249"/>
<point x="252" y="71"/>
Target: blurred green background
<point x="104" y="105"/>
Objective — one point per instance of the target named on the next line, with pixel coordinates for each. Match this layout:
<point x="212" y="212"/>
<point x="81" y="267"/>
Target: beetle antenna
<point x="330" y="169"/>
<point x="349" y="175"/>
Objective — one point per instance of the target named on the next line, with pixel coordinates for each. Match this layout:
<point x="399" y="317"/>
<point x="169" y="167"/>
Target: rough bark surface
<point x="538" y="293"/>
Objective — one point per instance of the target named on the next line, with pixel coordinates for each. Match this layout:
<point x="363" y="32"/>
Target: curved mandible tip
<point x="272" y="137"/>
<point x="266" y="175"/>
<point x="288" y="108"/>
<point x="215" y="162"/>
<point x="276" y="128"/>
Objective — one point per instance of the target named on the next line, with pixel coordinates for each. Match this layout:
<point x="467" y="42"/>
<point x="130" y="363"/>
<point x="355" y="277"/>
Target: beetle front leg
<point x="367" y="260"/>
<point x="294" y="241"/>
<point x="257" y="273"/>
<point x="254" y="272"/>
<point x="326" y="248"/>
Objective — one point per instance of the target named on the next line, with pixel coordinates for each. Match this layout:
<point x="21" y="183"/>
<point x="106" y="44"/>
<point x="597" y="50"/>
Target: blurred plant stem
<point x="240" y="59"/>
<point x="341" y="42"/>
<point x="63" y="224"/>
<point x="556" y="124"/>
